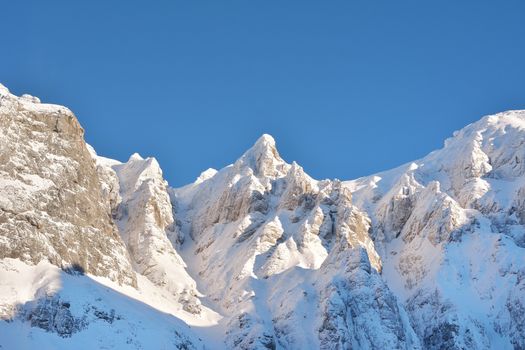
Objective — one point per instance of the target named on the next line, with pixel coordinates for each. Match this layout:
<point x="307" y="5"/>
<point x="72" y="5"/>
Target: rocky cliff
<point x="51" y="203"/>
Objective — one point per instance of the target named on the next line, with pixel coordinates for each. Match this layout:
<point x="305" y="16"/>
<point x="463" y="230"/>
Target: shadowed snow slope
<point x="96" y="253"/>
<point x="50" y="309"/>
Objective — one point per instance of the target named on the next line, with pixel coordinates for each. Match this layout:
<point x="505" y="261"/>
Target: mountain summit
<point x="97" y="253"/>
<point x="263" y="158"/>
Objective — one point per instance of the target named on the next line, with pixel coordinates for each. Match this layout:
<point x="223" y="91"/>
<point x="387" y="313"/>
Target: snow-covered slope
<point x="46" y="308"/>
<point x="96" y="253"/>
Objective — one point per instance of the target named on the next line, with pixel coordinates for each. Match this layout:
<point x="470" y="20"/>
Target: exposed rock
<point x="53" y="315"/>
<point x="52" y="206"/>
<point x="144" y="215"/>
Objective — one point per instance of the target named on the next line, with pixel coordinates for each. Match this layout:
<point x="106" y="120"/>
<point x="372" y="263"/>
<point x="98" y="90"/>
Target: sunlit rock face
<point x="51" y="202"/>
<point x="143" y="212"/>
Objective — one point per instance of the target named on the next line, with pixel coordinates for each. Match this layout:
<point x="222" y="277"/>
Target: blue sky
<point x="347" y="88"/>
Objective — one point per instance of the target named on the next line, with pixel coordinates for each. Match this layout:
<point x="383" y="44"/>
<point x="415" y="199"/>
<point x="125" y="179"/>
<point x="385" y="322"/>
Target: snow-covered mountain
<point x="95" y="253"/>
<point x="450" y="231"/>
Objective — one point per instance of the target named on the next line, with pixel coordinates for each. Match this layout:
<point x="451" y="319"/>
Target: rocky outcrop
<point x="51" y="204"/>
<point x="358" y="310"/>
<point x="144" y="215"/>
<point x="53" y="315"/>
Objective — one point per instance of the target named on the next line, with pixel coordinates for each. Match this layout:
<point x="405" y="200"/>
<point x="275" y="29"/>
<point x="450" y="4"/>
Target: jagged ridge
<point x="427" y="255"/>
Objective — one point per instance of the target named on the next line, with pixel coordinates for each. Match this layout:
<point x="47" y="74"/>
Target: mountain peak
<point x="263" y="158"/>
<point x="135" y="156"/>
<point x="264" y="146"/>
<point x="266" y="139"/>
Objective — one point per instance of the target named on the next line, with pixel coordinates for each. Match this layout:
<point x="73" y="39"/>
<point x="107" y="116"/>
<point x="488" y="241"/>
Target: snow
<point x="147" y="318"/>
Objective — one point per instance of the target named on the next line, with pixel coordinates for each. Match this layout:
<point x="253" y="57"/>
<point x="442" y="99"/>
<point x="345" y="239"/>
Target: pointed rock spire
<point x="263" y="158"/>
<point x="135" y="156"/>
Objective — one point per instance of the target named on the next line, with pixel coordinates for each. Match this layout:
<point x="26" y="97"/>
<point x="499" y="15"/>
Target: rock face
<point x="51" y="203"/>
<point x="259" y="255"/>
<point x="143" y="212"/>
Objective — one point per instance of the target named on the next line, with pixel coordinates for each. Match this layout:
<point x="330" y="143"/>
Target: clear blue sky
<point x="347" y="88"/>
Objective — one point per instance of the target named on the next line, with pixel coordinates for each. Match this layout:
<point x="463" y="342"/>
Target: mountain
<point x="285" y="258"/>
<point x="84" y="257"/>
<point x="449" y="229"/>
<point x="96" y="253"/>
